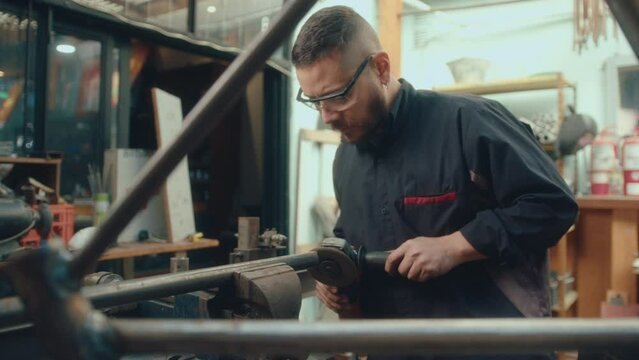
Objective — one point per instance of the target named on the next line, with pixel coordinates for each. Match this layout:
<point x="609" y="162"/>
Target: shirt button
<point x="384" y="210"/>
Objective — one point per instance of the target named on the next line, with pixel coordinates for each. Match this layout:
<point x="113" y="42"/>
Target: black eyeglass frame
<point x="315" y="102"/>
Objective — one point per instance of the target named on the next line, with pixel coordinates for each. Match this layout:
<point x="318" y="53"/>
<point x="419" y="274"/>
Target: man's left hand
<point x="424" y="258"/>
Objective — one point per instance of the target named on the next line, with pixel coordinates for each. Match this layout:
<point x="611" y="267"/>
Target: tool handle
<point x="376" y="260"/>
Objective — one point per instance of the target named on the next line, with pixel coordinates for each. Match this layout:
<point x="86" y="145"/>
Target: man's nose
<point x="329" y="117"/>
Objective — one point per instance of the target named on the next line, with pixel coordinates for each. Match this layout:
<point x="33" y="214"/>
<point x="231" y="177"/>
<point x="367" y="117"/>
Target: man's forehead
<point x="324" y="76"/>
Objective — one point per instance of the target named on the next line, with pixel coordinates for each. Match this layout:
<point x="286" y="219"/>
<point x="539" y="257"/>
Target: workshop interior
<point x="164" y="196"/>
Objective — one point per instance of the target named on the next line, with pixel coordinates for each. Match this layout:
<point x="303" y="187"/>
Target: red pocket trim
<point x="422" y="200"/>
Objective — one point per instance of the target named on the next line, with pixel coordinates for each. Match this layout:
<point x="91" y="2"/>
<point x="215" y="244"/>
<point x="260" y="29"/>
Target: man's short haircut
<point x="329" y="29"/>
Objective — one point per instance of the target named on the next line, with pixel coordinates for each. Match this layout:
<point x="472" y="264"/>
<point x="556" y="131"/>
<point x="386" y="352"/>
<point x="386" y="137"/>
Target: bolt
<point x="329" y="268"/>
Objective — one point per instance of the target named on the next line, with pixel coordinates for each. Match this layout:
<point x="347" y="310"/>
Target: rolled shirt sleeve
<point x="534" y="208"/>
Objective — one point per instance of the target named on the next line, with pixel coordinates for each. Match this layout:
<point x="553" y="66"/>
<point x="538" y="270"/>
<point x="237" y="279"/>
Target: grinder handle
<point x="375" y="260"/>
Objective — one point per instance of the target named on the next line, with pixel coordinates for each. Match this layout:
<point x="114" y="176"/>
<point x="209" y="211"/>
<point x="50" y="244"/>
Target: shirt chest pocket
<point x="429" y="215"/>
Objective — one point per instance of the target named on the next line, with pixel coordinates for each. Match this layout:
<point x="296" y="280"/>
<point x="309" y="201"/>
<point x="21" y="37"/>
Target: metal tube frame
<point x="427" y="336"/>
<point x="291" y="337"/>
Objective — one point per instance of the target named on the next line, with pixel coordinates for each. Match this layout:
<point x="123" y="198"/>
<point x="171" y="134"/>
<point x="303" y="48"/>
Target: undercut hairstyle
<point x="330" y="29"/>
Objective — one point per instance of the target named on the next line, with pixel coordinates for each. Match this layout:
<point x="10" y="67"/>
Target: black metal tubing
<point x="275" y="194"/>
<point x="627" y="14"/>
<point x="12" y="311"/>
<point x="190" y="19"/>
<point x="204" y="117"/>
<point x="124" y="94"/>
<point x="425" y="336"/>
<point x="45" y="23"/>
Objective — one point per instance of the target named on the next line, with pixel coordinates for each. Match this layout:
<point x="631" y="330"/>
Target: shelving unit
<point x="563" y="262"/>
<point x="47" y="171"/>
<point x="554" y="81"/>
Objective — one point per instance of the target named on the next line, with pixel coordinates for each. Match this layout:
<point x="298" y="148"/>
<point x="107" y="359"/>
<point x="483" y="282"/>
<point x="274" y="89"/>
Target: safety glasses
<point x="335" y="101"/>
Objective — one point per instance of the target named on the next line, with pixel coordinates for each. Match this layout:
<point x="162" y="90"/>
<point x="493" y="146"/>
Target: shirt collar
<point x="400" y="99"/>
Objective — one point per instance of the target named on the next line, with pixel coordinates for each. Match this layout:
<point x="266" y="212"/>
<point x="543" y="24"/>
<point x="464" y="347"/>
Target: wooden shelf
<point x="541" y="82"/>
<point x="569" y="301"/>
<point x="151" y="248"/>
<point x="24" y="160"/>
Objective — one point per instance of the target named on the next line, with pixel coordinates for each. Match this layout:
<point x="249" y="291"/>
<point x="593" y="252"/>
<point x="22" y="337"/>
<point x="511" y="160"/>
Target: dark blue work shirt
<point x="442" y="163"/>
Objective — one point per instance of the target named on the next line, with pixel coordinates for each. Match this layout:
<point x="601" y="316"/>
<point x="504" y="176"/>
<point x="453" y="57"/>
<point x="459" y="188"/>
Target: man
<point x="454" y="186"/>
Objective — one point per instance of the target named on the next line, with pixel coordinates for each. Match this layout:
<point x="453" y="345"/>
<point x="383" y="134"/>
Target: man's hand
<point x="424" y="258"/>
<point x="335" y="301"/>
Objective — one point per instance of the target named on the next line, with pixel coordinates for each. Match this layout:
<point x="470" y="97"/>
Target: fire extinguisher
<point x="602" y="164"/>
<point x="630" y="163"/>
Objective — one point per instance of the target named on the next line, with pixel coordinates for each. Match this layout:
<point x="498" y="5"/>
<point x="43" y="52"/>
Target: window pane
<point x="73" y="117"/>
<point x="232" y="22"/>
<point x="171" y="14"/>
<point x="16" y="90"/>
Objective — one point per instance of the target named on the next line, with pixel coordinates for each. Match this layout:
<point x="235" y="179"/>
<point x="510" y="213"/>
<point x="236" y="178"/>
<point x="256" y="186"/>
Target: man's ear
<point x="381" y="60"/>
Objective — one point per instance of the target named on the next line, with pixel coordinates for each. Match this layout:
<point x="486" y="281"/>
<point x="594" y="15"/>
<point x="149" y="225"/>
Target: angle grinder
<point x="340" y="264"/>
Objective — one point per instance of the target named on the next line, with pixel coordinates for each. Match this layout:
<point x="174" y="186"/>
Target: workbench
<point x="127" y="252"/>
<point x="607" y="243"/>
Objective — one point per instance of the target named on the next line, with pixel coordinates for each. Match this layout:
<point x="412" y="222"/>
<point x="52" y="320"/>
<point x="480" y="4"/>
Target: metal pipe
<point x="459" y="336"/>
<point x="200" y="121"/>
<point x="12" y="310"/>
<point x="154" y="287"/>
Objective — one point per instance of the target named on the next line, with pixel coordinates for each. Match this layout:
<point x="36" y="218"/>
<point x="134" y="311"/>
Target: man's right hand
<point x="330" y="296"/>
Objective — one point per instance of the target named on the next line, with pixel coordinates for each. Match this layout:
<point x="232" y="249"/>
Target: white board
<point x="178" y="203"/>
<point x="123" y="166"/>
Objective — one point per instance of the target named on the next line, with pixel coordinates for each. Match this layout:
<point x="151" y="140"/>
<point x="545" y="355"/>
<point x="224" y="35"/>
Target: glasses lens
<point x="337" y="103"/>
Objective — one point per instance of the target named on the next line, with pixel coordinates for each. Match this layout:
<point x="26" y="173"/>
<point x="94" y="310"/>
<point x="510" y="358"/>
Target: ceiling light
<point x="211" y="9"/>
<point x="65" y="48"/>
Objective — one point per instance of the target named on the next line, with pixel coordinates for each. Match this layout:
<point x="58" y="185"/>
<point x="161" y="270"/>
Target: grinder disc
<point x="334" y="268"/>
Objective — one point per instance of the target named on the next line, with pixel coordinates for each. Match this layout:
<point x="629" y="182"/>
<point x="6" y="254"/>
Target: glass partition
<point x="17" y="52"/>
<point x="73" y="124"/>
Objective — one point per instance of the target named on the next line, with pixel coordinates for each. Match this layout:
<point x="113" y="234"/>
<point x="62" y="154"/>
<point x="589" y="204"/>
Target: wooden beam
<point x="390" y="31"/>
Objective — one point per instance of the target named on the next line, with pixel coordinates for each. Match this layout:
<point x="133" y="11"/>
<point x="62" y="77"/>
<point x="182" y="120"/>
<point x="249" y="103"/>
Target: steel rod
<point x="12" y="311"/>
<point x="200" y="121"/>
<point x="459" y="336"/>
<point x="154" y="287"/>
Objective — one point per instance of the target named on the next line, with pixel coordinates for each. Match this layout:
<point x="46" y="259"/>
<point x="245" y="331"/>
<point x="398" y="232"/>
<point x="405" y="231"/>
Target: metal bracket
<point x="274" y="289"/>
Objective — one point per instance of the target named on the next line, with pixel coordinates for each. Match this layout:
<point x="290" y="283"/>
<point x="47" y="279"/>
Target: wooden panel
<point x="151" y="248"/>
<point x="390" y="31"/>
<point x="623" y="248"/>
<point x="593" y="264"/>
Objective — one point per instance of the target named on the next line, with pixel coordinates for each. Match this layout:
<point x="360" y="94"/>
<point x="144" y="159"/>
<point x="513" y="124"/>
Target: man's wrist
<point x="462" y="249"/>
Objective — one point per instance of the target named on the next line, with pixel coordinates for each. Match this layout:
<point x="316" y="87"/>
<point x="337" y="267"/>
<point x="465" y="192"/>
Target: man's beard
<point x="375" y="130"/>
